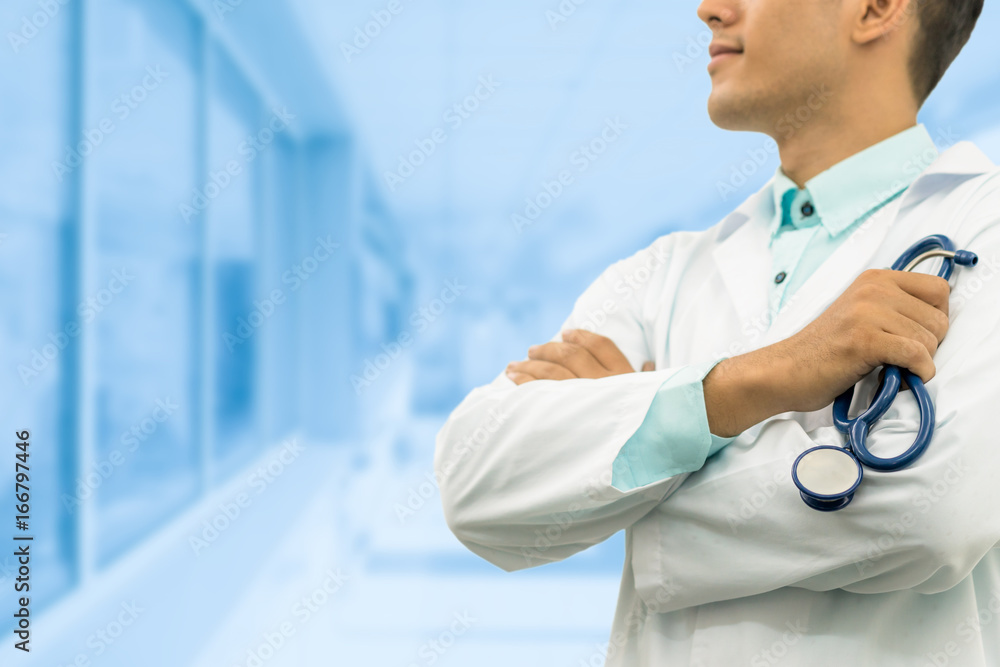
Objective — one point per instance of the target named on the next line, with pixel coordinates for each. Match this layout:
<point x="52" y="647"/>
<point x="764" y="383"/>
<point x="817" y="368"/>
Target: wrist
<point x="743" y="391"/>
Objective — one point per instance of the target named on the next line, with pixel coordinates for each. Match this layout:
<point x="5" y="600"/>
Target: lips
<point x="720" y="48"/>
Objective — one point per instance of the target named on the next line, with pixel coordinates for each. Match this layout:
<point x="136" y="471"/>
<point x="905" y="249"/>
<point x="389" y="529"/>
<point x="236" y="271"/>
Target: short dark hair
<point x="944" y="28"/>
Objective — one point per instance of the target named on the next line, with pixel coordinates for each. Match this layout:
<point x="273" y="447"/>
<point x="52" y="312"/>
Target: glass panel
<point x="145" y="270"/>
<point x="36" y="352"/>
<point x="234" y="145"/>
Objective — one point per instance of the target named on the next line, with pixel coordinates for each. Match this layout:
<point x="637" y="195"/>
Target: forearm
<point x="526" y="472"/>
<point x="743" y="391"/>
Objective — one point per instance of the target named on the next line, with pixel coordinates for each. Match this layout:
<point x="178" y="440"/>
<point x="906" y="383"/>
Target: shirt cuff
<point x="674" y="437"/>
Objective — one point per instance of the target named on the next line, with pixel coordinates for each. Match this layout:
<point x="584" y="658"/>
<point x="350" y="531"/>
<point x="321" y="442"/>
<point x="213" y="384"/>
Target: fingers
<point x="540" y="370"/>
<point x="910" y="314"/>
<point x="581" y="354"/>
<point x="930" y="289"/>
<point x="900" y="325"/>
<point x="649" y="366"/>
<point x="925" y="315"/>
<point x="601" y="347"/>
<point x="908" y="353"/>
<point x="578" y="360"/>
<point x="520" y="378"/>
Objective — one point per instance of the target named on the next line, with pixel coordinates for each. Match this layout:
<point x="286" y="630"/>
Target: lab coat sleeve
<point x="738" y="527"/>
<point x="525" y="472"/>
<point x="655" y="452"/>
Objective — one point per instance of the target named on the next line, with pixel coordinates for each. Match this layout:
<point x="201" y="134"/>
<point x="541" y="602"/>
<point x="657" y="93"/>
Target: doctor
<point x="746" y="333"/>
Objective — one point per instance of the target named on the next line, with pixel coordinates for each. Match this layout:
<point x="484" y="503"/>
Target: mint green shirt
<point x="807" y="225"/>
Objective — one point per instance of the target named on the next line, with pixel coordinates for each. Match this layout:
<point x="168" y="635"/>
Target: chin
<point x="746" y="110"/>
<point x="727" y="114"/>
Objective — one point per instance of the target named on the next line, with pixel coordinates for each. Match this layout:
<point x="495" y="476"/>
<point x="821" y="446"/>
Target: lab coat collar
<point x="962" y="159"/>
<point x="744" y="261"/>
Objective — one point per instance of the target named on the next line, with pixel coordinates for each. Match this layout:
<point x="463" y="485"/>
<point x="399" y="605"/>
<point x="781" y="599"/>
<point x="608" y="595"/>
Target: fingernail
<point x="533" y="349"/>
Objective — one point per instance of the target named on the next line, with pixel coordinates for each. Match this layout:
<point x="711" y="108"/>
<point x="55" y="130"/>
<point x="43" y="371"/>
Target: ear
<point x="877" y="19"/>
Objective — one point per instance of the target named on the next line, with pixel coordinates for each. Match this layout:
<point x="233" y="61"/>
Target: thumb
<point x="649" y="366"/>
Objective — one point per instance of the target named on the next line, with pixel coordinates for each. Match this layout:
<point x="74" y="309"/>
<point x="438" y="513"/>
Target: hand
<point x="582" y="354"/>
<point x="884" y="317"/>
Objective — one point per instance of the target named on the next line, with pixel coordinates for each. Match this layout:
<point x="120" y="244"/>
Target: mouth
<point x="721" y="52"/>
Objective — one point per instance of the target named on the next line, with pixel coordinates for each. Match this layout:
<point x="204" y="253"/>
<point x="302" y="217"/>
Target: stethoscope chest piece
<point x="827" y="477"/>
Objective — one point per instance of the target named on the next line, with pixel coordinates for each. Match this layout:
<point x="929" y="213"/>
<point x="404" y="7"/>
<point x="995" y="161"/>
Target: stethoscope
<point x="828" y="476"/>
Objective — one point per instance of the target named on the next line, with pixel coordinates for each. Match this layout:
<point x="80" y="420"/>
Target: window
<point x="36" y="259"/>
<point x="142" y="270"/>
<point x="235" y="143"/>
<point x="128" y="257"/>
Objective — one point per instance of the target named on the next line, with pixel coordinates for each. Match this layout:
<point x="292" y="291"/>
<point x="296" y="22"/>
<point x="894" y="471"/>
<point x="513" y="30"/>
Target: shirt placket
<point x="787" y="251"/>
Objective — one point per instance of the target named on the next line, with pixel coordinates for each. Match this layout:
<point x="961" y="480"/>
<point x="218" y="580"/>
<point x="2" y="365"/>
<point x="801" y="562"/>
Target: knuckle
<point x="941" y="323"/>
<point x="566" y="351"/>
<point x="541" y="371"/>
<point x="871" y="290"/>
<point x="604" y="347"/>
<point x="942" y="288"/>
<point x="869" y="276"/>
<point x="596" y="342"/>
<point x="547" y="351"/>
<point x="598" y="339"/>
<point x="560" y="353"/>
<point x="915" y="352"/>
<point x="929" y="340"/>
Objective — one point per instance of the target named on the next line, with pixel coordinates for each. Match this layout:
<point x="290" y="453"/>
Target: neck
<point x="823" y="141"/>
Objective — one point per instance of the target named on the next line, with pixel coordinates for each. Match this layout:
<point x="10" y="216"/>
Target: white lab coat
<point x="727" y="566"/>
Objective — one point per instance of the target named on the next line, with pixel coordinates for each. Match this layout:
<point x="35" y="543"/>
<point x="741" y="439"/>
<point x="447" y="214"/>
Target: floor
<point x="322" y="568"/>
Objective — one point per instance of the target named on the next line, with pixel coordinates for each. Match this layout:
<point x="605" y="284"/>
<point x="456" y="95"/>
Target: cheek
<point x="770" y="37"/>
<point x="788" y="33"/>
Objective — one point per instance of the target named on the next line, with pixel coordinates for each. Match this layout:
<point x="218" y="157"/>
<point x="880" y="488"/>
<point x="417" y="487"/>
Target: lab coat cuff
<point x="674" y="437"/>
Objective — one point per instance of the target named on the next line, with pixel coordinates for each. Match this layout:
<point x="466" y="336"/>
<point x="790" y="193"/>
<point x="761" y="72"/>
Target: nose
<point x="718" y="13"/>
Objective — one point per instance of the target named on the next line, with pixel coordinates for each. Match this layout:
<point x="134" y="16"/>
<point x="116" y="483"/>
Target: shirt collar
<point x="860" y="184"/>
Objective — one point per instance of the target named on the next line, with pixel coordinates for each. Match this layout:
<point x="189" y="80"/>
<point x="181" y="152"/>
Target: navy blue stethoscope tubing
<point x="857" y="429"/>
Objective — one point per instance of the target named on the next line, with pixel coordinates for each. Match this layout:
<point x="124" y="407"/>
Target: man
<point x="747" y="332"/>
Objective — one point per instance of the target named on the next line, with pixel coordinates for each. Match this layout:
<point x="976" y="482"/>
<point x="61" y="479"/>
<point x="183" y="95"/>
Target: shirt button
<point x="780" y="278"/>
<point x="808" y="209"/>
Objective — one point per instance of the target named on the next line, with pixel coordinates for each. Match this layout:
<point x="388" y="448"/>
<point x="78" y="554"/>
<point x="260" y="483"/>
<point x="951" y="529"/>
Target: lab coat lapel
<point x="743" y="257"/>
<point x="854" y="255"/>
<point x="744" y="260"/>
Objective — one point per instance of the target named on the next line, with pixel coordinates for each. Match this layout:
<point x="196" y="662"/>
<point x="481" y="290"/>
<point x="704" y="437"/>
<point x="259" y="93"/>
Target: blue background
<point x="233" y="333"/>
